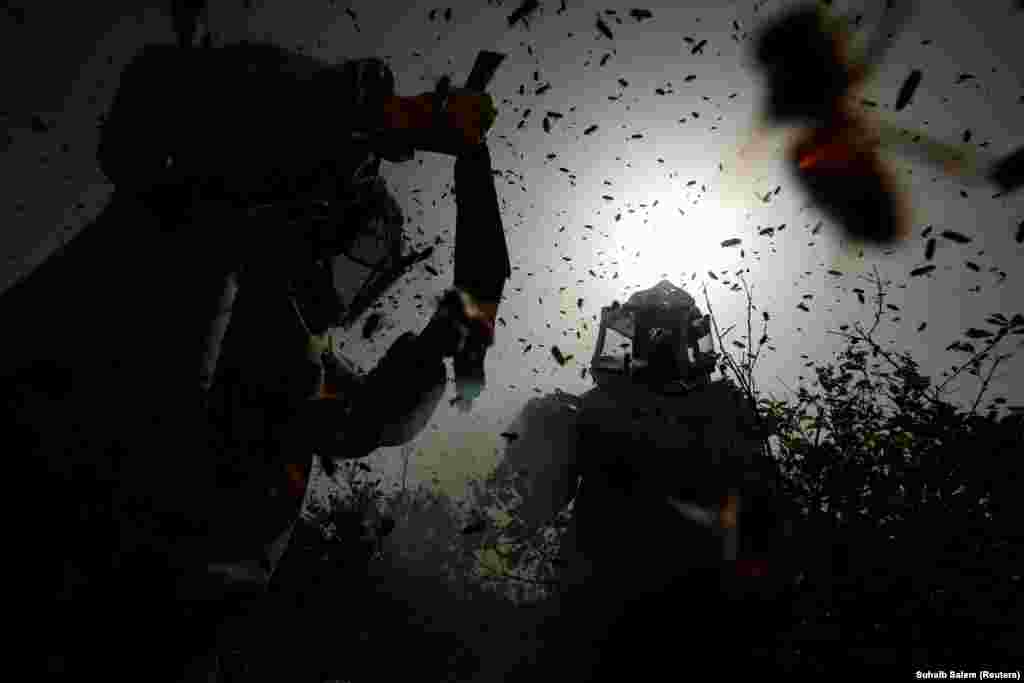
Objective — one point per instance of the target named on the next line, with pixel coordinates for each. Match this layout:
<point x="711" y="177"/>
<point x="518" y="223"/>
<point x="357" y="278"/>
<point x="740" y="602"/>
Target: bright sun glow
<point x="669" y="244"/>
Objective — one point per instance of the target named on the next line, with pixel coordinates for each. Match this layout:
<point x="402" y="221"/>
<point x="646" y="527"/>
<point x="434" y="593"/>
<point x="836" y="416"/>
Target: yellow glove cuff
<point x="319" y="344"/>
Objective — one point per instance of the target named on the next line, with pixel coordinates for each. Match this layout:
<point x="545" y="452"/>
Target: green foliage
<point x="351" y="517"/>
<point x="520" y="554"/>
<point x="907" y="506"/>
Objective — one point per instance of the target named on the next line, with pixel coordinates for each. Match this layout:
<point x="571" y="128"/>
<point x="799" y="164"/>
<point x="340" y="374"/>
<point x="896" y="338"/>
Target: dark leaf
<point x="973" y="266"/>
<point x="803" y="307"/>
<point x="590" y="129"/>
<point x="920" y="328"/>
<point x="764" y="314"/>
<point x="1020" y="233"/>
<point x="923" y="270"/>
<point x="975" y="333"/>
<point x="732" y="242"/>
<point x="712" y="275"/>
<point x="475" y="527"/>
<point x="967" y="135"/>
<point x="431" y="270"/>
<point x="699" y="47"/>
<point x="603" y="28"/>
<point x="739" y="345"/>
<point x="640" y="14"/>
<point x="511" y="436"/>
<point x="448" y="14"/>
<point x="835" y="273"/>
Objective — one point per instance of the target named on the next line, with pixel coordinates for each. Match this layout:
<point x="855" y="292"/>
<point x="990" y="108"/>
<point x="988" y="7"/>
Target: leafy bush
<point x="351" y="520"/>
<point x="908" y="549"/>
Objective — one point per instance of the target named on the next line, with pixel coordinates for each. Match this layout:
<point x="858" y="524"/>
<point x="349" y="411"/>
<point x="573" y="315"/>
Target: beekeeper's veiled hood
<point x="662" y="296"/>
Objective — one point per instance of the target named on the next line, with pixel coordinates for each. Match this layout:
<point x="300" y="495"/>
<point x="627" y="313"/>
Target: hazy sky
<point x="64" y="67"/>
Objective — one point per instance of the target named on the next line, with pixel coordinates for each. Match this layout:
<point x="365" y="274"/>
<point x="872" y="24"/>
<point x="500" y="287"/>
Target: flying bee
<point x="810" y="76"/>
<point x="812" y="73"/>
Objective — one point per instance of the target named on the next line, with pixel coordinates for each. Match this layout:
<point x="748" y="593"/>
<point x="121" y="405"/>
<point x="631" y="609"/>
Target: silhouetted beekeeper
<point x="99" y="357"/>
<point x="660" y="465"/>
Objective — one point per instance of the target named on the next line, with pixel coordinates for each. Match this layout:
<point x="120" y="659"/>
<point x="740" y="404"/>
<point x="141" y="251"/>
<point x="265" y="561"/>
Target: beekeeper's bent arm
<point x="395" y="401"/>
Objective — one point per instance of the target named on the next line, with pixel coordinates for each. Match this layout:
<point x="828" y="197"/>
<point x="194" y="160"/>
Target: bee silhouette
<point x="805" y="59"/>
<point x="811" y="74"/>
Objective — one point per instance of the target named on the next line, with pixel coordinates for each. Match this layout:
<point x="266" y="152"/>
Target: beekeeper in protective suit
<point x="653" y="351"/>
<point x="656" y="461"/>
<point x="102" y="340"/>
